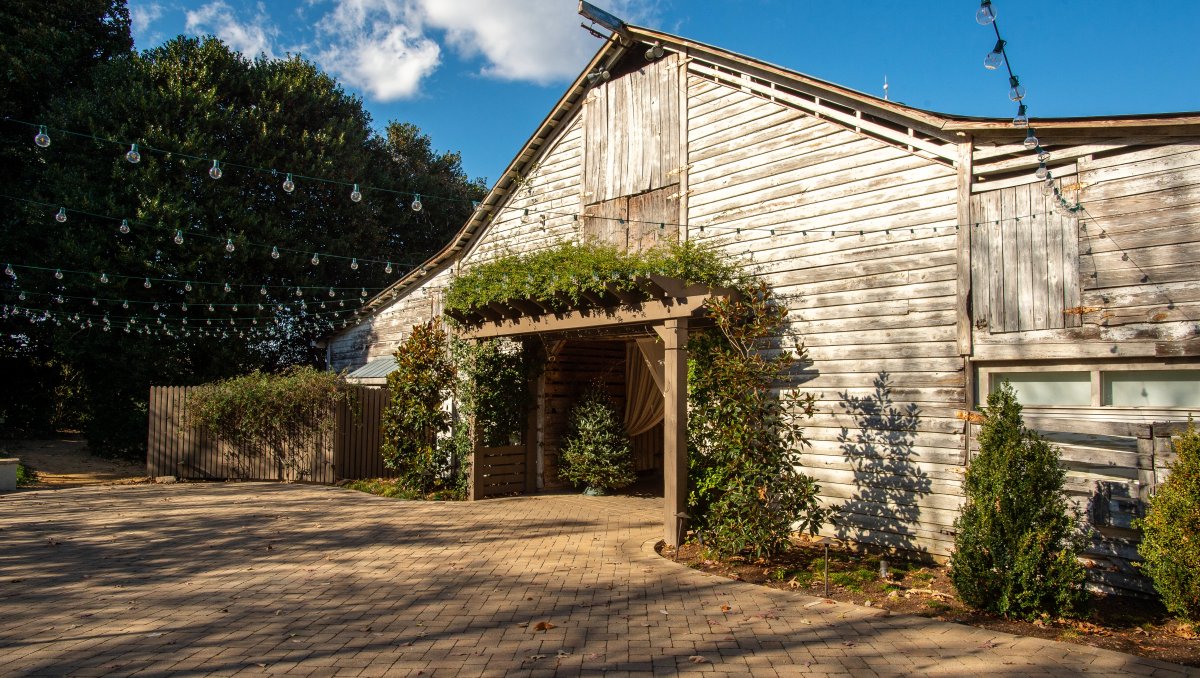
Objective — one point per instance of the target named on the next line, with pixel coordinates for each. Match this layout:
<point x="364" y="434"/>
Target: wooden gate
<point x="497" y="471"/>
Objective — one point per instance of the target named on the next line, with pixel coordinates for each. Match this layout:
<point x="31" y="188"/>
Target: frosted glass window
<point x="1156" y="388"/>
<point x="1048" y="388"/>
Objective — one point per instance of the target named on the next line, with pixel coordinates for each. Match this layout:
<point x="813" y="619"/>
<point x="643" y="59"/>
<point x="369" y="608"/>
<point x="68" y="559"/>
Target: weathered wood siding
<point x="876" y="310"/>
<point x="380" y="334"/>
<point x="575" y="366"/>
<point x="633" y="132"/>
<point x="1138" y="245"/>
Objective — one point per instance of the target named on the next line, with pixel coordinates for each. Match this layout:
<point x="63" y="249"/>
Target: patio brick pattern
<point x="250" y="579"/>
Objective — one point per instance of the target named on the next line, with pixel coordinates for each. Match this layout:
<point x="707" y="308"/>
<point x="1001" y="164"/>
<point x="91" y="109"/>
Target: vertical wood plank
<point x="962" y="306"/>
<point x="1024" y="231"/>
<point x="997" y="266"/>
<point x="680" y="144"/>
<point x="1012" y="268"/>
<point x="1039" y="256"/>
<point x="1055" y="280"/>
<point x="1071" y="280"/>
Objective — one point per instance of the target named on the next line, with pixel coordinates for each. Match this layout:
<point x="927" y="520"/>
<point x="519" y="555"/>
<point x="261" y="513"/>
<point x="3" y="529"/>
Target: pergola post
<point x="674" y="334"/>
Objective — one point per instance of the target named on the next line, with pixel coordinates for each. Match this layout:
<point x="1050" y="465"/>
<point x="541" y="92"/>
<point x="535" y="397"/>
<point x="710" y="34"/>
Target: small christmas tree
<point x="1170" y="545"/>
<point x="596" y="452"/>
<point x="1016" y="543"/>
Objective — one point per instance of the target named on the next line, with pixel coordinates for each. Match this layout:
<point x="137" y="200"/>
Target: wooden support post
<point x="674" y="334"/>
<point x="533" y="352"/>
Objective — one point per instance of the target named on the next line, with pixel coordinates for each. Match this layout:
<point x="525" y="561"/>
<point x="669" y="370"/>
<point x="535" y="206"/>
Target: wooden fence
<point x="1112" y="469"/>
<point x="497" y="471"/>
<point x="350" y="451"/>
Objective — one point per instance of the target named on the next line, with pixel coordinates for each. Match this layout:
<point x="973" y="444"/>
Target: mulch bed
<point x="1127" y="624"/>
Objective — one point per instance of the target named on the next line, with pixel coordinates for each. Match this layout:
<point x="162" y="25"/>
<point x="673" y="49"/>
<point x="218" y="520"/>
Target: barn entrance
<point x="630" y="371"/>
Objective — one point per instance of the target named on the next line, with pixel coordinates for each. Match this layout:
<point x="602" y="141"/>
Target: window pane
<point x="1158" y="388"/>
<point x="1048" y="388"/>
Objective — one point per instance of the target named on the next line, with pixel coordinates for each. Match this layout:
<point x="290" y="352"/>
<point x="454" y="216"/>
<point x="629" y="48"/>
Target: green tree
<point x="414" y="417"/>
<point x="596" y="451"/>
<point x="1170" y="545"/>
<point x="743" y="431"/>
<point x="1016" y="542"/>
<point x="202" y="101"/>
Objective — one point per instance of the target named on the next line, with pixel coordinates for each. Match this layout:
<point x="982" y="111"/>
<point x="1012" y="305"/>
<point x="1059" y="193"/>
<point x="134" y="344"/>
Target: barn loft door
<point x="1024" y="262"/>
<point x="634" y="223"/>
<point x="631" y="133"/>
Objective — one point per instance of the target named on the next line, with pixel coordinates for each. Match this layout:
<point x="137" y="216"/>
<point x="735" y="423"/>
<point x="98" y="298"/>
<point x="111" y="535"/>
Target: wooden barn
<point x="924" y="258"/>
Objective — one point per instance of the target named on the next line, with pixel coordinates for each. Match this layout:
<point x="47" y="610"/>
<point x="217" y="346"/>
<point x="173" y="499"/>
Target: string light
<point x="274" y="252"/>
<point x="1031" y="140"/>
<point x="986" y="14"/>
<point x="104" y="278"/>
<point x="178" y="237"/>
<point x="8" y="271"/>
<point x="124" y="227"/>
<point x="41" y="138"/>
<point x="146" y="283"/>
<point x="354" y="264"/>
<point x="416" y="203"/>
<point x="995" y="58"/>
<point x="58" y="274"/>
<point x="316" y="259"/>
<point x="1016" y="91"/>
<point x="355" y="194"/>
<point x="215" y="171"/>
<point x="187" y="286"/>
<point x="388" y="269"/>
<point x="228" y="288"/>
<point x="288" y="184"/>
<point x="133" y="155"/>
<point x="61" y="216"/>
<point x="229" y="245"/>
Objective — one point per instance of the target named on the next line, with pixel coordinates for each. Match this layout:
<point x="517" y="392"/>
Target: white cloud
<point x="251" y="37"/>
<point x="375" y="46"/>
<point x="533" y="40"/>
<point x="141" y="15"/>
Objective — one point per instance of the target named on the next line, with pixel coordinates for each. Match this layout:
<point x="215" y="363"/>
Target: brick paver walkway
<point x="302" y="580"/>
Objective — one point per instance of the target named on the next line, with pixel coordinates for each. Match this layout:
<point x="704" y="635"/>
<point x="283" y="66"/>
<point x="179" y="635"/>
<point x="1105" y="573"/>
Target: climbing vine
<point x="559" y="276"/>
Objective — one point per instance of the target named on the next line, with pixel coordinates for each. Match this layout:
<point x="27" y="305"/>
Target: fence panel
<point x="350" y="451"/>
<point x="497" y="471"/>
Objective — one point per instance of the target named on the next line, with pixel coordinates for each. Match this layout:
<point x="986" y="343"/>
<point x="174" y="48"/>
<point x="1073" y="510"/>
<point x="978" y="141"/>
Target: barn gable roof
<point x="928" y="127"/>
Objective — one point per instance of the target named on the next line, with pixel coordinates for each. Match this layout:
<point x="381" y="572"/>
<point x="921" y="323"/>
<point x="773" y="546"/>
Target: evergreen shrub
<point x="1170" y="545"/>
<point x="1016" y="542"/>
<point x="596" y="451"/>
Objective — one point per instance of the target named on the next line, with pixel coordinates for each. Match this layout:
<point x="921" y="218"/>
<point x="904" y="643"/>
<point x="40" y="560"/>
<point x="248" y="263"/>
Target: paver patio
<point x="223" y="579"/>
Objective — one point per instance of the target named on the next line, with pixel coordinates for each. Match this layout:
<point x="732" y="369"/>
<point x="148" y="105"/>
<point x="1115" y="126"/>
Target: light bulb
<point x="995" y="58"/>
<point x="274" y="252"/>
<point x="356" y="195"/>
<point x="104" y="278"/>
<point x="316" y="259"/>
<point x="133" y="155"/>
<point x="146" y="283"/>
<point x="61" y="216"/>
<point x="388" y="268"/>
<point x="155" y="306"/>
<point x="183" y="306"/>
<point x="1020" y="119"/>
<point x="1041" y="172"/>
<point x="331" y="292"/>
<point x="21" y="296"/>
<point x="986" y="14"/>
<point x="288" y="184"/>
<point x="124" y="228"/>
<point x="8" y="271"/>
<point x="187" y="286"/>
<point x="229" y="245"/>
<point x="1031" y="140"/>
<point x="210" y="308"/>
<point x="178" y="237"/>
<point x="1016" y="90"/>
<point x="1042" y="154"/>
<point x="228" y="288"/>
<point x="354" y="264"/>
<point x="416" y="203"/>
<point x="42" y="139"/>
<point x="299" y="292"/>
<point x="215" y="171"/>
<point x="364" y="292"/>
<point x="125" y="304"/>
<point x="58" y="274"/>
<point x="262" y="290"/>
<point x="94" y="302"/>
<point x="341" y="302"/>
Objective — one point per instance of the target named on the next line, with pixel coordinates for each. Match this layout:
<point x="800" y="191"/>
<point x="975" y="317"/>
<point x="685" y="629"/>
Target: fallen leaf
<point x="543" y="626"/>
<point x="697" y="659"/>
<point x="726" y="608"/>
<point x="535" y="657"/>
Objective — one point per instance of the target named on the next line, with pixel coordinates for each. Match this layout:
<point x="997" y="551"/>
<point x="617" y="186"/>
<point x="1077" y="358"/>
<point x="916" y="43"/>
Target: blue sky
<point x="479" y="75"/>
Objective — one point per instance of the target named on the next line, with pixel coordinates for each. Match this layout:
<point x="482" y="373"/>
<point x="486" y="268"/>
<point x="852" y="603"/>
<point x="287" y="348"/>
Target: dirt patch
<point x="1125" y="624"/>
<point x="66" y="462"/>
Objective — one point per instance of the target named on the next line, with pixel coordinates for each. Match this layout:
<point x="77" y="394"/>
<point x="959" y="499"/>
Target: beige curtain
<point x="643" y="386"/>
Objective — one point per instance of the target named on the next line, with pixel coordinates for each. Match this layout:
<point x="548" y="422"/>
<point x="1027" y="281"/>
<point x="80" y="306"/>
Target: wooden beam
<point x="648" y="312"/>
<point x="962" y="305"/>
<point x="674" y="334"/>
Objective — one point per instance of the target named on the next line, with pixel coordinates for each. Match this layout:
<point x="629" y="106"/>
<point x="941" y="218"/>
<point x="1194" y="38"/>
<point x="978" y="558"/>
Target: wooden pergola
<point x="656" y="304"/>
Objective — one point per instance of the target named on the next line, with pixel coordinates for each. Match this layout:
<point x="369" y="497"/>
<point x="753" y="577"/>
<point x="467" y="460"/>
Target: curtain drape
<point x="643" y="385"/>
